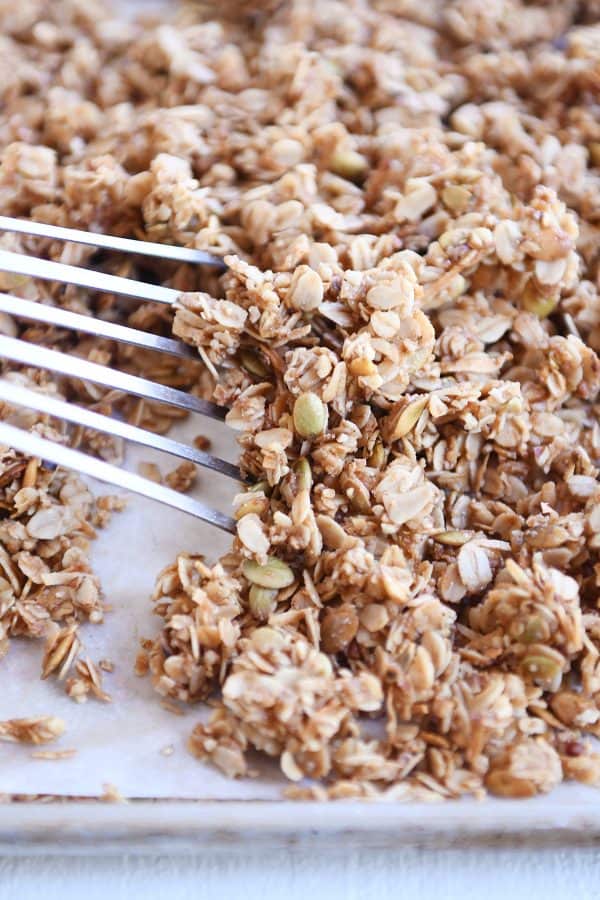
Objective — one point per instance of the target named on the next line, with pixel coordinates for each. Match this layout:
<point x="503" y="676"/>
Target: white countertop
<point x="548" y="874"/>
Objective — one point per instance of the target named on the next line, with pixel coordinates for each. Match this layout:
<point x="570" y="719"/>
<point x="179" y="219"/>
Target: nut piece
<point x="338" y="628"/>
<point x="275" y="574"/>
<point x="262" y="601"/>
<point x="310" y="415"/>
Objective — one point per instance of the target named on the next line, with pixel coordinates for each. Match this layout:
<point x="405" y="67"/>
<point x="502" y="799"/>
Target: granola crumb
<point x="111" y="794"/>
<point x="202" y="442"/>
<point x="53" y="754"/>
<point x="36" y="730"/>
<point x="183" y="477"/>
<point x="151" y="471"/>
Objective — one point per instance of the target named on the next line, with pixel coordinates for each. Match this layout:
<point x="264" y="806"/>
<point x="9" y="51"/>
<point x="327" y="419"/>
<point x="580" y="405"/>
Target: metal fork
<point x="31" y="355"/>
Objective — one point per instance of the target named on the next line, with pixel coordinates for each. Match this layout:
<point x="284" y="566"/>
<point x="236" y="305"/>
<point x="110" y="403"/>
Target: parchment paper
<point x="120" y="743"/>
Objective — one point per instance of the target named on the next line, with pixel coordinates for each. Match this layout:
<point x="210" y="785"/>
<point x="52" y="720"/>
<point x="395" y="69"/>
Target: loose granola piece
<point x="37" y="730"/>
<point x="183" y="477"/>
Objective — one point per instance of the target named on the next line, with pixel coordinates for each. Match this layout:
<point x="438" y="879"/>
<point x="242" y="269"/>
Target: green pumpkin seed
<point x="262" y="601"/>
<point x="275" y="574"/>
<point x="303" y="474"/>
<point x="310" y="415"/>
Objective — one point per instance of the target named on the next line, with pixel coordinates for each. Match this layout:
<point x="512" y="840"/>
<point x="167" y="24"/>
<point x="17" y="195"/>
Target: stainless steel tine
<point x="33" y="445"/>
<point x="14" y="393"/>
<point x="47" y="270"/>
<point x="110" y="242"/>
<point x="64" y="318"/>
<point x="84" y="370"/>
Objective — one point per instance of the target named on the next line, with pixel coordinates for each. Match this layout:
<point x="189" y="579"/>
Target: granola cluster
<point x="407" y="198"/>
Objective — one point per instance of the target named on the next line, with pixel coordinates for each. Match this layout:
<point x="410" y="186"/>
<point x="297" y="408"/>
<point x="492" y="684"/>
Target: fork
<point x="31" y="355"/>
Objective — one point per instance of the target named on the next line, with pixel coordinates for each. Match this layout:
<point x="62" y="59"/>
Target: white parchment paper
<point x="120" y="743"/>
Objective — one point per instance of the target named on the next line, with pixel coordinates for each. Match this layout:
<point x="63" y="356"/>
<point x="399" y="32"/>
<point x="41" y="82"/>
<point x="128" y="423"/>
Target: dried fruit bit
<point x="338" y="628"/>
<point x="310" y="415"/>
<point x="306" y="290"/>
<point x="262" y="601"/>
<point x="274" y="574"/>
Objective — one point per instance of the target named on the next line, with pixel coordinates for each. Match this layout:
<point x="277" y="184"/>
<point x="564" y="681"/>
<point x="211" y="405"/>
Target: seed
<point x="538" y="304"/>
<point x="273" y="574"/>
<point x="542" y="669"/>
<point x="260" y="486"/>
<point x="338" y="628"/>
<point x="30" y="474"/>
<point x="594" y="149"/>
<point x="378" y="455"/>
<point x="348" y="163"/>
<point x="256" y="505"/>
<point x="253" y="363"/>
<point x="310" y="415"/>
<point x="267" y="640"/>
<point x="303" y="474"/>
<point x="306" y="290"/>
<point x="453" y="538"/>
<point x="408" y="418"/>
<point x="262" y="601"/>
<point x="535" y="631"/>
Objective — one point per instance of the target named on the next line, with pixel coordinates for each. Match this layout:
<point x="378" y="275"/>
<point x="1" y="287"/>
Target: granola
<point x="406" y="196"/>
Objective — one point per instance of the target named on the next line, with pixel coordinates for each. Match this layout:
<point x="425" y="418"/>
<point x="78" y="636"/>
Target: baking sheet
<point x="120" y="743"/>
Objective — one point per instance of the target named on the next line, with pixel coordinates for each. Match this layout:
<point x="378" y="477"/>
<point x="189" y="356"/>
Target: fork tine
<point x="33" y="445"/>
<point x="64" y="318"/>
<point x="110" y="242"/>
<point x="83" y="369"/>
<point x="14" y="393"/>
<point x="48" y="270"/>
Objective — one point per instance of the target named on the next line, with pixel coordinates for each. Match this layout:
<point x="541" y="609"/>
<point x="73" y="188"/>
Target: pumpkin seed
<point x="408" y="418"/>
<point x="310" y="415"/>
<point x="253" y="363"/>
<point x="262" y="601"/>
<point x="273" y="574"/>
<point x="303" y="474"/>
